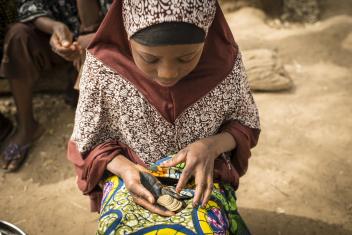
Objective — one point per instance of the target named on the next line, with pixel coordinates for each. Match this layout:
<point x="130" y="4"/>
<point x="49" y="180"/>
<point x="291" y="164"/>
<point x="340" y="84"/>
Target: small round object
<point x="170" y="203"/>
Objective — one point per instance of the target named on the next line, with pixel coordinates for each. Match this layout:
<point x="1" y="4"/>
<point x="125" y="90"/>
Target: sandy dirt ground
<point x="300" y="175"/>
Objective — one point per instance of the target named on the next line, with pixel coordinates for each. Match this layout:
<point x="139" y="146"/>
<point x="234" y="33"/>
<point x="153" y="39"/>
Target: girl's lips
<point x="166" y="84"/>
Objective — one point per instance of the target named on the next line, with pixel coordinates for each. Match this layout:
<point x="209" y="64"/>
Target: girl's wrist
<point x="118" y="165"/>
<point x="221" y="143"/>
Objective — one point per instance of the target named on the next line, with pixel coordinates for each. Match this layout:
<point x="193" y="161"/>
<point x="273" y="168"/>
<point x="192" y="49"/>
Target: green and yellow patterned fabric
<point x="120" y="215"/>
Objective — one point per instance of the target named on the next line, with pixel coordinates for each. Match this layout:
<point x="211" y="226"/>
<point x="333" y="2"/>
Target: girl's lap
<point x="120" y="215"/>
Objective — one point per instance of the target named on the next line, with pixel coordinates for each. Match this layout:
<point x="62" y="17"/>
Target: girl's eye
<point x="154" y="61"/>
<point x="186" y="59"/>
<point x="150" y="60"/>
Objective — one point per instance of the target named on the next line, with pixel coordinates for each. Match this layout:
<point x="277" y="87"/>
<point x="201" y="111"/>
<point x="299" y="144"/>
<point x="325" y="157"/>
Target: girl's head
<point x="167" y="37"/>
<point x="167" y="52"/>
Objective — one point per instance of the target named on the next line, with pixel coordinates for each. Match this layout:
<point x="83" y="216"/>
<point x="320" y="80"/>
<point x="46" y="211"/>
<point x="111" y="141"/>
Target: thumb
<point x="65" y="37"/>
<point x="65" y="43"/>
<point x="176" y="159"/>
<point x="140" y="191"/>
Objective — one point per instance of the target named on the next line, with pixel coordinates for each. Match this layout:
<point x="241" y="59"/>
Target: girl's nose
<point x="167" y="72"/>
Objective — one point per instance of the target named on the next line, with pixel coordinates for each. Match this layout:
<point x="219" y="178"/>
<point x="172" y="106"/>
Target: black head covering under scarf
<point x="170" y="33"/>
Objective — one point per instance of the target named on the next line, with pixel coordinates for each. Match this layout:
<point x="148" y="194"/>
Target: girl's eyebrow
<point x="147" y="54"/>
<point x="191" y="53"/>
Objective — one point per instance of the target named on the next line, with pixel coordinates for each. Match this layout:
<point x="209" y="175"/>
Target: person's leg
<point x="89" y="14"/>
<point x="22" y="73"/>
<point x="5" y="128"/>
<point x="27" y="126"/>
<point x="26" y="54"/>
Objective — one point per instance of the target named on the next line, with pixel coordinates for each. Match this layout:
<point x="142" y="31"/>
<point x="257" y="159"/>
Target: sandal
<point x="15" y="155"/>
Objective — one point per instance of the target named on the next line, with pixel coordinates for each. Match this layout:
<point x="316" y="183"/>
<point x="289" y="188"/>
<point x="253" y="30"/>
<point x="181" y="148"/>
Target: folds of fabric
<point x="91" y="167"/>
<point x="246" y="138"/>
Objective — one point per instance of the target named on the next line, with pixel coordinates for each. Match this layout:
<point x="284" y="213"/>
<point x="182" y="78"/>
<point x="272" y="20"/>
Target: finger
<point x="65" y="50"/>
<point x="151" y="207"/>
<point x="58" y="49"/>
<point x="208" y="191"/>
<point x="185" y="176"/>
<point x="65" y="37"/>
<point x="75" y="46"/>
<point x="65" y="43"/>
<point x="201" y="184"/>
<point x="178" y="158"/>
<point x="140" y="191"/>
<point x="54" y="41"/>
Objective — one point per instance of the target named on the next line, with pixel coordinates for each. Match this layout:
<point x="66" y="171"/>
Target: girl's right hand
<point x="130" y="173"/>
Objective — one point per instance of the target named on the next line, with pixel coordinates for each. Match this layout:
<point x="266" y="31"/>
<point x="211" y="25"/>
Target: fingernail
<point x="65" y="43"/>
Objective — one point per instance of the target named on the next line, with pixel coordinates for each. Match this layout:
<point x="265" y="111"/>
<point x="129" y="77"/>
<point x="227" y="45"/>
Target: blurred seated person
<point x="47" y="36"/>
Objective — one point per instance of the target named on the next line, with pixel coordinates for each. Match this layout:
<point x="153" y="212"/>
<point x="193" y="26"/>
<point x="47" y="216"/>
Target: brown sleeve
<point x="90" y="168"/>
<point x="246" y="138"/>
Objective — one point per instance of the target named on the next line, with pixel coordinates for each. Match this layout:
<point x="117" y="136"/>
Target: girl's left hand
<point x="199" y="158"/>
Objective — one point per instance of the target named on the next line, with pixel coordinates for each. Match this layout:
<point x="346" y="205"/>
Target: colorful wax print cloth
<point x="120" y="215"/>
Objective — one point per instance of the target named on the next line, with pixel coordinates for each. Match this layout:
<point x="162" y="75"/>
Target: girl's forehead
<point x="176" y="50"/>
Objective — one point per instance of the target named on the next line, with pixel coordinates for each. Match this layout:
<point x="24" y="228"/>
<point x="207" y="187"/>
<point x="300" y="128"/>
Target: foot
<point x="18" y="145"/>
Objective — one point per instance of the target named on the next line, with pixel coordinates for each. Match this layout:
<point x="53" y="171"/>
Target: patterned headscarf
<point x="140" y="14"/>
<point x="112" y="47"/>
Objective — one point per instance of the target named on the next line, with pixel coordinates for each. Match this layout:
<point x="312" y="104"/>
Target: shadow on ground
<point x="263" y="222"/>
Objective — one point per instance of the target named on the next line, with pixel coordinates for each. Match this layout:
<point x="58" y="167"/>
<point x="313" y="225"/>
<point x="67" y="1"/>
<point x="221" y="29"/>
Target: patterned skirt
<point x="120" y="215"/>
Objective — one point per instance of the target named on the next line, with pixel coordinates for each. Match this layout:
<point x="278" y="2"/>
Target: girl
<point x="164" y="77"/>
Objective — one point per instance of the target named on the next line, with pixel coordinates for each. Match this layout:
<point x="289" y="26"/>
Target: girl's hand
<point x="130" y="173"/>
<point x="199" y="158"/>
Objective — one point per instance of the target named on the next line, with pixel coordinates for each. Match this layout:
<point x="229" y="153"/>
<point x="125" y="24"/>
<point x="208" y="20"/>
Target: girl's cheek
<point x="150" y="71"/>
